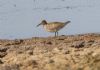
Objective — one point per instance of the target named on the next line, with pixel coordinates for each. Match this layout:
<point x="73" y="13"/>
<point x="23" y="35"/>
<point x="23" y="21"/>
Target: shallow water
<point x="18" y="18"/>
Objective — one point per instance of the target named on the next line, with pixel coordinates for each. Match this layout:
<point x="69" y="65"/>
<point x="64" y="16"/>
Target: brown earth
<point x="73" y="52"/>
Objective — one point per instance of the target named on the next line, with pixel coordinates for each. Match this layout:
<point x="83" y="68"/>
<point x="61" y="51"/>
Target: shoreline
<point x="51" y="36"/>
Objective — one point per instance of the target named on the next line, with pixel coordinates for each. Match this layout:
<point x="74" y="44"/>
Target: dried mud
<point x="72" y="52"/>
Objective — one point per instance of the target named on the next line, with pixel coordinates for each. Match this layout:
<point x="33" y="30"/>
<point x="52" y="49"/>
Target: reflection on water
<point x="18" y="18"/>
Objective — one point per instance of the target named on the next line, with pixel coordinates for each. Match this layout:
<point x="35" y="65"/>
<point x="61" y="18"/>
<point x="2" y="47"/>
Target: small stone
<point x="66" y="51"/>
<point x="1" y="62"/>
<point x="30" y="52"/>
<point x="60" y="48"/>
<point x="94" y="54"/>
<point x="3" y="49"/>
<point x="10" y="67"/>
<point x="78" y="44"/>
<point x="34" y="63"/>
<point x="50" y="61"/>
<point x="0" y="43"/>
<point x="92" y="41"/>
<point x="2" y="54"/>
<point x="50" y="43"/>
<point x="16" y="42"/>
<point x="56" y="50"/>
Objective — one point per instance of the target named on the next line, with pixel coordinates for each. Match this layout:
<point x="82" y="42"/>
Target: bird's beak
<point x="39" y="25"/>
<point x="69" y="21"/>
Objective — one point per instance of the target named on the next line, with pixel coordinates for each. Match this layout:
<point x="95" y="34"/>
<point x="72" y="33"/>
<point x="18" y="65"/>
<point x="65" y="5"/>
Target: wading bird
<point x="53" y="26"/>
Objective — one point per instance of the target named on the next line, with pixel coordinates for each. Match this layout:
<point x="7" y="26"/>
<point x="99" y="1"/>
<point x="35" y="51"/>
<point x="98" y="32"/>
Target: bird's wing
<point x="56" y="25"/>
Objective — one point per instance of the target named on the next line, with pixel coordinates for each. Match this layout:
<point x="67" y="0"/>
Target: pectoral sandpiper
<point x="53" y="26"/>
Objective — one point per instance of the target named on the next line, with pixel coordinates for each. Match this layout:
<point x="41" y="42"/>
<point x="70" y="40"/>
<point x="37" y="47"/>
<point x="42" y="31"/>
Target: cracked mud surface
<point x="72" y="52"/>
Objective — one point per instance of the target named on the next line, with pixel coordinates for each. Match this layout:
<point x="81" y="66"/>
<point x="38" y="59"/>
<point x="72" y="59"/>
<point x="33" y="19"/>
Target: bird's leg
<point x="57" y="33"/>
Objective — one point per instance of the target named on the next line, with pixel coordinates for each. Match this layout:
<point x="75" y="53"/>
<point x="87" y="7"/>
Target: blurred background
<point x="18" y="18"/>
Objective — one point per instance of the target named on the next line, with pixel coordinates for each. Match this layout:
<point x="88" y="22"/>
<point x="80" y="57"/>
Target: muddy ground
<point x="71" y="52"/>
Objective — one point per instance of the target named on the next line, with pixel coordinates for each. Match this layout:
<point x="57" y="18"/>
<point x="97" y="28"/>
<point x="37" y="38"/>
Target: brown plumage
<point x="53" y="26"/>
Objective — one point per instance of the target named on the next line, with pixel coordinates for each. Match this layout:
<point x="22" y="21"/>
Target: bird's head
<point x="44" y="22"/>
